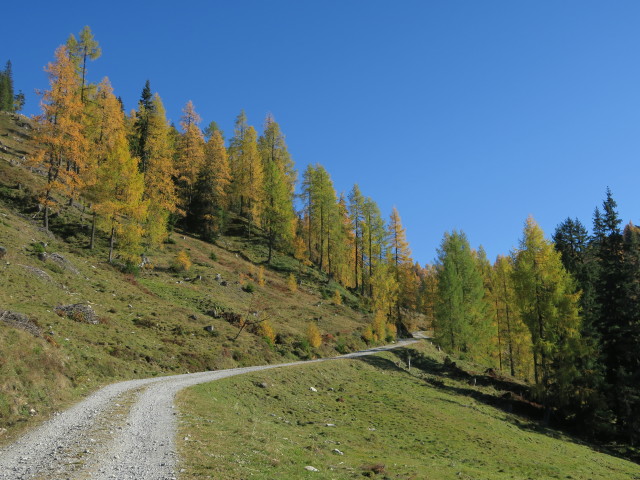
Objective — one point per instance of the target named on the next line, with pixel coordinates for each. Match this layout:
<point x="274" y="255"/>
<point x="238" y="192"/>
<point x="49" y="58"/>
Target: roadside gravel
<point x="125" y="431"/>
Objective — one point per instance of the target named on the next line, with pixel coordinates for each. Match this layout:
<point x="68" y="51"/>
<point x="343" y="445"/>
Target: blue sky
<point x="463" y="114"/>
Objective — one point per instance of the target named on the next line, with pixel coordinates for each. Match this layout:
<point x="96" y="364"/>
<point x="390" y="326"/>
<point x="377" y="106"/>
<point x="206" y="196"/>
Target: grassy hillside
<point x="375" y="418"/>
<point x="148" y="324"/>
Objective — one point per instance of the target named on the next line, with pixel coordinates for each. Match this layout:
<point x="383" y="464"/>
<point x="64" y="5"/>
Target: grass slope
<point x="150" y="324"/>
<point x="388" y="423"/>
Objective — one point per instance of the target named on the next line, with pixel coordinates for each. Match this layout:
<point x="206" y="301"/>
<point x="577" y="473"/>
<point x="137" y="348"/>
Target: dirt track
<point x="125" y="431"/>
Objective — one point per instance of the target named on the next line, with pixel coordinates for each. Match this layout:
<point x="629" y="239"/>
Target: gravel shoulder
<point x="124" y="431"/>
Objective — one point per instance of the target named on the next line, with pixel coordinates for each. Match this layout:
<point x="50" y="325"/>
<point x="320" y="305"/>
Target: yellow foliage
<point x="265" y="330"/>
<point x="379" y="326"/>
<point x="337" y="298"/>
<point x="292" y="284"/>
<point x="300" y="250"/>
<point x="313" y="335"/>
<point x="182" y="262"/>
<point x="392" y="331"/>
<point x="260" y="277"/>
<point x="367" y="335"/>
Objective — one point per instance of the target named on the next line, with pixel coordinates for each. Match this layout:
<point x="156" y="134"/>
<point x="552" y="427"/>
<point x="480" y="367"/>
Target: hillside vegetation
<point x="150" y="323"/>
<point x="374" y="417"/>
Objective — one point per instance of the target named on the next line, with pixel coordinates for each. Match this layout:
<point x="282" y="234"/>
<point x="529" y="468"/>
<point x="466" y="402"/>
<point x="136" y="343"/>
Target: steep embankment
<point x="135" y="326"/>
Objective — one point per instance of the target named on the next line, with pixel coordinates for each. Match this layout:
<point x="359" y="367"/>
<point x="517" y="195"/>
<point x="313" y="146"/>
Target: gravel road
<point x="125" y="431"/>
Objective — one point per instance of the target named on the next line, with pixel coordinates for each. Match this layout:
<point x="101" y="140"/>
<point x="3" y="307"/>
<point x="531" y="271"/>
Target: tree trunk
<point x="499" y="336"/>
<point x="111" y="243"/>
<point x="46" y="218"/>
<point x="271" y="235"/>
<point x="93" y="232"/>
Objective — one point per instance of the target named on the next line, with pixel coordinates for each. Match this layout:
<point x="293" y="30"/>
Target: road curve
<point x="124" y="431"/>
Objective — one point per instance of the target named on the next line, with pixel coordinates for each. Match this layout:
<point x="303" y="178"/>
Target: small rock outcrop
<point x="3" y="252"/>
<point x="78" y="312"/>
<point x="41" y="274"/>
<point x="21" y="321"/>
<point x="63" y="262"/>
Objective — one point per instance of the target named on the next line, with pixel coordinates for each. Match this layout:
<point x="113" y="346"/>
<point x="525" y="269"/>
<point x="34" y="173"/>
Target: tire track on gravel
<point x="124" y="431"/>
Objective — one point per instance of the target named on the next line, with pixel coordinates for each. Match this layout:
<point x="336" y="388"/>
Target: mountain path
<point x="124" y="431"/>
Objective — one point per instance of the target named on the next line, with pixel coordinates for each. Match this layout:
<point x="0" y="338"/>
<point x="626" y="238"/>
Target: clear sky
<point x="466" y="115"/>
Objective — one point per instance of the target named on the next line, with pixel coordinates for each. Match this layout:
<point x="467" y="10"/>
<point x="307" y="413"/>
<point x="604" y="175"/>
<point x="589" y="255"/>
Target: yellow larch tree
<point x="401" y="262"/>
<point x="190" y="157"/>
<point x="159" y="187"/>
<point x="212" y="188"/>
<point x="247" y="172"/>
<point x="63" y="152"/>
<point x="118" y="190"/>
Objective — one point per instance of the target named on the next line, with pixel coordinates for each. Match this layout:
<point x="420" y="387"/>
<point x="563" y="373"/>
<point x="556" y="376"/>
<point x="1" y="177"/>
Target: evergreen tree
<point x="578" y="256"/>
<point x="211" y="128"/>
<point x="618" y="321"/>
<point x="627" y="386"/>
<point x="7" y="97"/>
<point x="140" y="134"/>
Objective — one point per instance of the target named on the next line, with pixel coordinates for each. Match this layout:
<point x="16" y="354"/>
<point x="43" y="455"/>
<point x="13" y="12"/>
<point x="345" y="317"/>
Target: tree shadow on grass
<point x="511" y="397"/>
<point x="525" y="414"/>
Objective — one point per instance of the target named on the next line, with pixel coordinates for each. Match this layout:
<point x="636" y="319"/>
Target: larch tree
<point x="548" y="304"/>
<point x="429" y="293"/>
<point x="400" y="259"/>
<point x="119" y="187"/>
<point x="190" y="159"/>
<point x="493" y="334"/>
<point x="159" y="171"/>
<point x="514" y="339"/>
<point x="247" y="173"/>
<point x="278" y="216"/>
<point x="84" y="48"/>
<point x="63" y="152"/>
<point x="212" y="188"/>
<point x="461" y="325"/>
<point x="375" y="241"/>
<point x="341" y="242"/>
<point x="319" y="198"/>
<point x="356" y="213"/>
